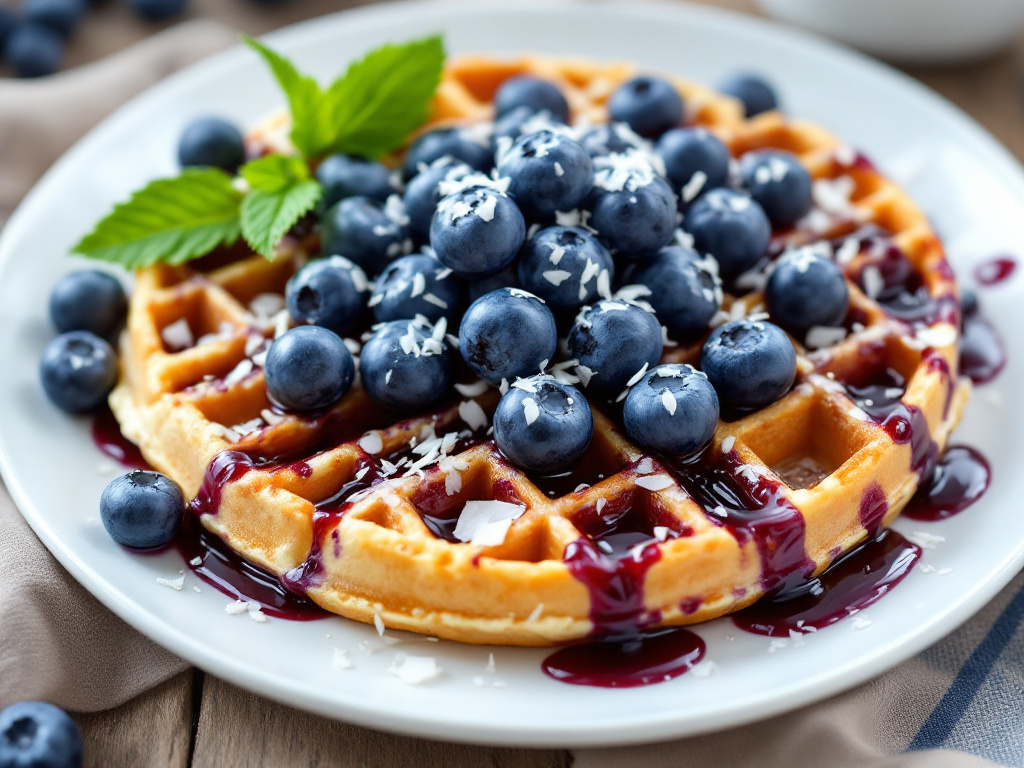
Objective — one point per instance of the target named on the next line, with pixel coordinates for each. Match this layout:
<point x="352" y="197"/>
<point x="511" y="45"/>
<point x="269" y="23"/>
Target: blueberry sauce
<point x="995" y="271"/>
<point x="873" y="506"/>
<point x="959" y="479"/>
<point x="227" y="467"/>
<point x="106" y="434"/>
<point x="982" y="354"/>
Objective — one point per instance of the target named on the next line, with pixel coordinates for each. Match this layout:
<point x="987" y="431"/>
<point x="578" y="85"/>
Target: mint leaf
<point x="274" y="172"/>
<point x="275" y="202"/>
<point x="169" y="220"/>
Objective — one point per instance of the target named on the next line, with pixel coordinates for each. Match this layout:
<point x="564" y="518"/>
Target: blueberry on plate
<point x="806" y="290"/>
<point x="78" y="370"/>
<point x="779" y="183"/>
<point x="507" y="278"/>
<point x="416" y="285"/>
<point x="366" y="231"/>
<point x="142" y="509"/>
<point x="405" y="366"/>
<point x="969" y="304"/>
<point x="62" y="16"/>
<point x="471" y="146"/>
<point x="632" y="208"/>
<point x="673" y="410"/>
<point x="158" y="10"/>
<point x="309" y="368"/>
<point x="33" y="50"/>
<point x="753" y="90"/>
<point x="532" y="92"/>
<point x="687" y="152"/>
<point x="683" y="289"/>
<point x="331" y="292"/>
<point x="731" y="227"/>
<point x="548" y="172"/>
<point x="751" y="363"/>
<point x="522" y="120"/>
<point x="649" y="105"/>
<point x="507" y="334"/>
<point x="350" y="176"/>
<point x="606" y="139"/>
<point x="88" y="300"/>
<point x="8" y="20"/>
<point x="477" y="232"/>
<point x="612" y="341"/>
<point x="34" y="734"/>
<point x="567" y="267"/>
<point x="210" y="141"/>
<point x="423" y="193"/>
<point x="543" y="425"/>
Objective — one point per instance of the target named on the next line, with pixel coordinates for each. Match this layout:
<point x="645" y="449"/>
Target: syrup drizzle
<point x="959" y="479"/>
<point x="982" y="354"/>
<point x="995" y="271"/>
<point x="106" y="434"/>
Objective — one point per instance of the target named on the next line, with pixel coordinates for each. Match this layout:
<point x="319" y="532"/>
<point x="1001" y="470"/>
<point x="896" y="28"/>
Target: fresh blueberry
<point x="532" y="92"/>
<point x="507" y="278"/>
<point x="34" y="734"/>
<point x="158" y="10"/>
<point x="78" y="370"/>
<point x="731" y="227"/>
<point x="507" y="334"/>
<point x="210" y="141"/>
<point x="349" y="176"/>
<point x="462" y="144"/>
<point x="751" y="363"/>
<point x="779" y="183"/>
<point x="754" y="91"/>
<point x="543" y="425"/>
<point x="632" y="208"/>
<point x="477" y="232"/>
<point x="423" y="193"/>
<point x="522" y="120"/>
<point x="806" y="290"/>
<point x="33" y="50"/>
<point x="88" y="300"/>
<point x="606" y="139"/>
<point x="548" y="171"/>
<point x="365" y="231"/>
<point x="672" y="410"/>
<point x="567" y="267"/>
<point x="613" y="340"/>
<point x="416" y="285"/>
<point x="330" y="292"/>
<point x="649" y="105"/>
<point x="62" y="16"/>
<point x="689" y="151"/>
<point x="969" y="304"/>
<point x="404" y="366"/>
<point x="309" y="368"/>
<point x="142" y="509"/>
<point x="683" y="289"/>
<point x="8" y="20"/>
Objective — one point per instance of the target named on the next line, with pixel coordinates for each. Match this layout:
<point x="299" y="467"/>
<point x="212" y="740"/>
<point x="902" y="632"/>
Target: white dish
<point x="970" y="184"/>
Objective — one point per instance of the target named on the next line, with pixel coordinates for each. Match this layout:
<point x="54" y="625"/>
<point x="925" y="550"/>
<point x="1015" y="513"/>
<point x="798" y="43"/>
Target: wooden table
<point x="198" y="720"/>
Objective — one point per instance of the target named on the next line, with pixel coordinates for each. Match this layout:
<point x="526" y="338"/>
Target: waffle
<point x="320" y="503"/>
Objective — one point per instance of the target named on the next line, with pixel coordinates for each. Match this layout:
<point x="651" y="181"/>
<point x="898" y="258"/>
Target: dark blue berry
<point x="309" y="368"/>
<point x="566" y="266"/>
<point x="606" y="139"/>
<point x="543" y="425"/>
<point x="62" y="16"/>
<point x="88" y="300"/>
<point x="477" y="232"/>
<point x="649" y="105"/>
<point x="8" y="20"/>
<point x="33" y="50"/>
<point x="142" y="509"/>
<point x="806" y="290"/>
<point x="210" y="141"/>
<point x="78" y="370"/>
<point x="689" y="151"/>
<point x="672" y="410"/>
<point x="423" y="193"/>
<point x="732" y="228"/>
<point x="461" y="144"/>
<point x="633" y="211"/>
<point x="404" y="366"/>
<point x="532" y="92"/>
<point x="416" y="285"/>
<point x="331" y="292"/>
<point x="969" y="304"/>
<point x="507" y="278"/>
<point x="683" y="289"/>
<point x="507" y="334"/>
<point x="613" y="340"/>
<point x="548" y="172"/>
<point x="364" y="231"/>
<point x="520" y="120"/>
<point x="779" y="183"/>
<point x="158" y="10"/>
<point x="34" y="734"/>
<point x="348" y="176"/>
<point x="750" y="363"/>
<point x="754" y="91"/>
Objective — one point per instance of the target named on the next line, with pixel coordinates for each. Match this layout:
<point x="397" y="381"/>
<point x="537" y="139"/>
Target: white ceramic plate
<point x="971" y="186"/>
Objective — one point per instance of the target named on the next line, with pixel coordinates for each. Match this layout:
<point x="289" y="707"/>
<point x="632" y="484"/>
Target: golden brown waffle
<point x="825" y="472"/>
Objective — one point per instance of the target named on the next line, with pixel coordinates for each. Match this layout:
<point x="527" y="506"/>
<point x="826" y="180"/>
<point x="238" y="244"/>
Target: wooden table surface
<point x="198" y="720"/>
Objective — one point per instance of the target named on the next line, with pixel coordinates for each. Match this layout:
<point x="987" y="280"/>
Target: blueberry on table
<point x="732" y="228"/>
<point x="423" y="193"/>
<point x="567" y="267"/>
<point x="606" y="139"/>
<point x="365" y="231"/>
<point x="649" y="105"/>
<point x="750" y="363"/>
<point x="78" y="370"/>
<point x="34" y="734"/>
<point x="806" y="290"/>
<point x="687" y="152"/>
<point x="211" y="142"/>
<point x="673" y="410"/>
<point x="632" y="208"/>
<point x="33" y="50"/>
<point x="88" y="300"/>
<point x="142" y="509"/>
<point x="507" y="334"/>
<point x="348" y="176"/>
<point x="471" y="146"/>
<point x="331" y="292"/>
<point x="309" y="368"/>
<point x="405" y="366"/>
<point x="532" y="92"/>
<point x="62" y="16"/>
<point x="548" y="172"/>
<point x="477" y="232"/>
<point x="543" y="425"/>
<point x="158" y="10"/>
<point x="753" y="90"/>
<point x="682" y="287"/>
<point x="613" y="340"/>
<point x="779" y="183"/>
<point x="416" y="285"/>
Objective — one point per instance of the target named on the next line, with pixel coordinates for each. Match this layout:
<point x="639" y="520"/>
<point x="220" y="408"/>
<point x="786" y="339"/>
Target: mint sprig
<point x="281" y="193"/>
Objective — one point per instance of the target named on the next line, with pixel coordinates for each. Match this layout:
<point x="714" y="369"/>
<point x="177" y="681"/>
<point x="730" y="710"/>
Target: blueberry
<point x="8" y="20"/>
<point x="309" y="368"/>
<point x="614" y="340"/>
<point x="330" y="292"/>
<point x="689" y="151"/>
<point x="543" y="425"/>
<point x="672" y="410"/>
<point x="754" y="91"/>
<point x="507" y="278"/>
<point x="683" y="289"/>
<point x="88" y="300"/>
<point x="210" y="141"/>
<point x="806" y="290"/>
<point x="423" y="193"/>
<point x="779" y="183"/>
<point x="633" y="209"/>
<point x="606" y="139"/>
<point x="477" y="232"/>
<point x="416" y="285"/>
<point x="365" y="231"/>
<point x="532" y="92"/>
<point x="349" y="176"/>
<point x="62" y="16"/>
<point x="522" y="120"/>
<point x="142" y="509"/>
<point x="462" y="144"/>
<point x="732" y="228"/>
<point x="566" y="266"/>
<point x="751" y="363"/>
<point x="548" y="171"/>
<point x="507" y="334"/>
<point x="969" y="304"/>
<point x="404" y="366"/>
<point x="34" y="734"/>
<point x="158" y="10"/>
<point x="78" y="370"/>
<point x="649" y="105"/>
<point x="33" y="50"/>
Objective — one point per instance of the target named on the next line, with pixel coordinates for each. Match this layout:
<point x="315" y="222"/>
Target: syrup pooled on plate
<point x="960" y="478"/>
